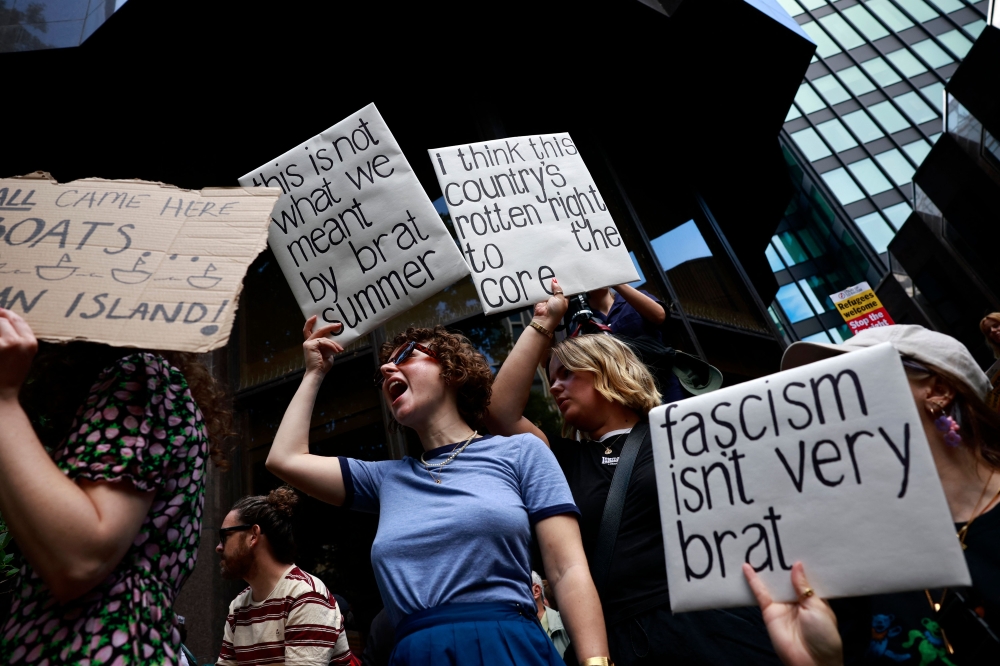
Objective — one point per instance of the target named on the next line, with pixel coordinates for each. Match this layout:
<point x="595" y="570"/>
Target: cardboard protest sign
<point x="826" y="463"/>
<point x="127" y="262"/>
<point x="527" y="210"/>
<point x="860" y="308"/>
<point x="355" y="235"/>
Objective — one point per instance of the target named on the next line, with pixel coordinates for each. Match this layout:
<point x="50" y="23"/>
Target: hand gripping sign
<point x="354" y="233"/>
<point x="127" y="262"/>
<point x="826" y="463"/>
<point x="526" y="210"/>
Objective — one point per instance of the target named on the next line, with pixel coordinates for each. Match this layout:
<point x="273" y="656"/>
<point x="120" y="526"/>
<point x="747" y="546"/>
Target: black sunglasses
<point x="226" y="531"/>
<point x="401" y="357"/>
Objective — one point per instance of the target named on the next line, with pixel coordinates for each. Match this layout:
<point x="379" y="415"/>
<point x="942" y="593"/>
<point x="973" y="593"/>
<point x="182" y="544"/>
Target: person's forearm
<point x="581" y="611"/>
<point x="647" y="308"/>
<point x="513" y="382"/>
<point x="56" y="525"/>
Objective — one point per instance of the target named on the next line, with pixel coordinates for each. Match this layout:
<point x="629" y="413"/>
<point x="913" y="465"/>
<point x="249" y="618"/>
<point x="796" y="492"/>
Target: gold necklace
<point x="455" y="453"/>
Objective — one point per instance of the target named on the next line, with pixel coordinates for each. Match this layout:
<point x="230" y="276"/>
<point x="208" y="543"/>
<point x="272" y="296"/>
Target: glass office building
<point x="864" y="118"/>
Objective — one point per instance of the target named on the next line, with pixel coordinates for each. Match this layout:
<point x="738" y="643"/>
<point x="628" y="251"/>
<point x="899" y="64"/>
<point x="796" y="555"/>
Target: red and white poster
<point x="860" y="308"/>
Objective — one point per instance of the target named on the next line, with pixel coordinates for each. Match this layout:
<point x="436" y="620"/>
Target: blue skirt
<point x="488" y="634"/>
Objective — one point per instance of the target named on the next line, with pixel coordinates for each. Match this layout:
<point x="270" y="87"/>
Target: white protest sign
<point x="826" y="463"/>
<point x="527" y="210"/>
<point x="127" y="262"/>
<point x="354" y="233"/>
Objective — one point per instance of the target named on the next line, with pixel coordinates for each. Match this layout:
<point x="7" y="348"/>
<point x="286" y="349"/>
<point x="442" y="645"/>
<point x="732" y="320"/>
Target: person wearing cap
<point x="990" y="327"/>
<point x="603" y="391"/>
<point x="954" y="626"/>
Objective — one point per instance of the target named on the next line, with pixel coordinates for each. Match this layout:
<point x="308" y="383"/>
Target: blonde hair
<point x="984" y="328"/>
<point x="619" y="375"/>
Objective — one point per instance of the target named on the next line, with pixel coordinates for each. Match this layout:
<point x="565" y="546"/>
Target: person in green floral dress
<point x="109" y="522"/>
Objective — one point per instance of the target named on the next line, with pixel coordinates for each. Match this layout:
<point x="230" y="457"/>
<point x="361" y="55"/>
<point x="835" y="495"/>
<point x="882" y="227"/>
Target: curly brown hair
<point x="273" y="513"/>
<point x="462" y="366"/>
<point x="62" y="374"/>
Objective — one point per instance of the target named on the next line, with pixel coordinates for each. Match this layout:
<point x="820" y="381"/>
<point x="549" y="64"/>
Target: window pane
<point x="820" y="337"/>
<point x="917" y="150"/>
<point x="772" y="259"/>
<point x="895" y="19"/>
<point x="825" y="47"/>
<point x="957" y="42"/>
<point x="865" y="22"/>
<point x="843" y="187"/>
<point x="793" y="303"/>
<point x="890" y="118"/>
<point x="793" y="113"/>
<point x="856" y="80"/>
<point x="836" y="134"/>
<point x="815" y="300"/>
<point x="916" y="108"/>
<point x="897" y="214"/>
<point x="932" y="53"/>
<point x="680" y="245"/>
<point x="811" y="145"/>
<point x="782" y="250"/>
<point x="907" y="63"/>
<point x="880" y="71"/>
<point x="863" y="126"/>
<point x="935" y="93"/>
<point x="812" y="246"/>
<point x="919" y="10"/>
<point x="870" y="177"/>
<point x="876" y="231"/>
<point x="974" y="28"/>
<point x="813" y="4"/>
<point x="792" y="247"/>
<point x="899" y="168"/>
<point x="948" y="6"/>
<point x="843" y="33"/>
<point x="808" y="100"/>
<point x="830" y="89"/>
<point x="794" y="9"/>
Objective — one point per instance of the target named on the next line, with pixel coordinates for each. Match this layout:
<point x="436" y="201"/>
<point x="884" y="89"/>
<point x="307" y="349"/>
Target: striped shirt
<point x="299" y="624"/>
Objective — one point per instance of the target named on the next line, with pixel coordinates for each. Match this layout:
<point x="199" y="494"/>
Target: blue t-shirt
<point x="467" y="538"/>
<point x="625" y="321"/>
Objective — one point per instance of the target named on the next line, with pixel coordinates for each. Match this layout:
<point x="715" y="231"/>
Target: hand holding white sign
<point x="526" y="210"/>
<point x="826" y="463"/>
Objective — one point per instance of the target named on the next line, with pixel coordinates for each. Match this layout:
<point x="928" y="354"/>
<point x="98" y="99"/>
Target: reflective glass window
<point x="958" y="43"/>
<point x="808" y="100"/>
<point x="875" y="230"/>
<point x="843" y="186"/>
<point x="917" y="150"/>
<point x="856" y="80"/>
<point x="916" y="108"/>
<point x="907" y="63"/>
<point x="793" y="248"/>
<point x="638" y="269"/>
<point x="932" y="53"/>
<point x="793" y="8"/>
<point x="975" y="28"/>
<point x="772" y="258"/>
<point x="783" y="251"/>
<point x="880" y="71"/>
<point x="830" y="89"/>
<point x="899" y="168"/>
<point x="869" y="176"/>
<point x="841" y="31"/>
<point x="886" y="11"/>
<point x="813" y="4"/>
<point x="793" y="113"/>
<point x="919" y="10"/>
<point x="679" y="245"/>
<point x="810" y="144"/>
<point x="825" y="47"/>
<point x="837" y="135"/>
<point x="862" y="125"/>
<point x="793" y="303"/>
<point x="813" y="288"/>
<point x="947" y="6"/>
<point x="806" y="236"/>
<point x="935" y="93"/>
<point x="891" y="119"/>
<point x="820" y="337"/>
<point x="897" y="213"/>
<point x="865" y="22"/>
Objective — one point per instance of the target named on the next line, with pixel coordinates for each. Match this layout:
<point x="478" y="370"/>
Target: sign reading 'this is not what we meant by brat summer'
<point x="354" y="233"/>
<point x="825" y="463"/>
<point x="526" y="210"/>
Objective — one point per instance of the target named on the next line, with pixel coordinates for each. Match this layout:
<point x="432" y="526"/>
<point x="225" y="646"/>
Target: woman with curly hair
<point x="109" y="521"/>
<point x="451" y="556"/>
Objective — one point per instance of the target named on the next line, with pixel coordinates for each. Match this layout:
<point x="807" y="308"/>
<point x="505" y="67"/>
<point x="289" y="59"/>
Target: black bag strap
<point x="612" y="517"/>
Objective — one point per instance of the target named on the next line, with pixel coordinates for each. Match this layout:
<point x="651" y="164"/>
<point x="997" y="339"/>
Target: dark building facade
<point x="944" y="272"/>
<point x="197" y="97"/>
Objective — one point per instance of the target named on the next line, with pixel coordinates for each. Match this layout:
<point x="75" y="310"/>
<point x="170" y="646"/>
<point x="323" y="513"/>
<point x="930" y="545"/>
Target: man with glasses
<point x="286" y="616"/>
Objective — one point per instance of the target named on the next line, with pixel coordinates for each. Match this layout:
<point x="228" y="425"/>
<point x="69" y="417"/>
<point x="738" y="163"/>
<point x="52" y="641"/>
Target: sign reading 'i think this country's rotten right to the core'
<point x="860" y="308"/>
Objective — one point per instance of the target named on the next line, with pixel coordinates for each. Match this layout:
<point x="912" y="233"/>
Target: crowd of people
<point x="103" y="486"/>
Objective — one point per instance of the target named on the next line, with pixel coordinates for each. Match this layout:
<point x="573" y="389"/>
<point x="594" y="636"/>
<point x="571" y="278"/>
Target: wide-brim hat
<point x="914" y="342"/>
<point x="695" y="375"/>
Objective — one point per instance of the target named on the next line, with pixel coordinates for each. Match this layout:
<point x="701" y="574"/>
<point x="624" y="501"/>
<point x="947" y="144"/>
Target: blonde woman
<point x="990" y="327"/>
<point x="603" y="392"/>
